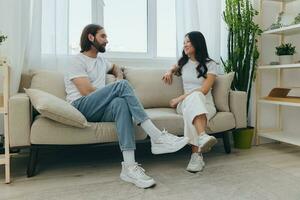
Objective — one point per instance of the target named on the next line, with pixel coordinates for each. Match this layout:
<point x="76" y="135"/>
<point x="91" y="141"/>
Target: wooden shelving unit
<point x="276" y="133"/>
<point x="5" y="158"/>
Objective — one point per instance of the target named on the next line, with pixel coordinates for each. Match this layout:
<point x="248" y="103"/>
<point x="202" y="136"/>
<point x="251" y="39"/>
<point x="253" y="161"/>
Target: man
<point x="86" y="91"/>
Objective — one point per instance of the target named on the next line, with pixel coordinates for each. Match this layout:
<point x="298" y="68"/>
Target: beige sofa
<point x="28" y="129"/>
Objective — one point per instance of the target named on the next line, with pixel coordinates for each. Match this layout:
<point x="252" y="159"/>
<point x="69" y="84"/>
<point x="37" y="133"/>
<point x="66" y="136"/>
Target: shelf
<point x="287" y="30"/>
<point x="285" y="1"/>
<point x="1" y="104"/>
<point x="2" y="159"/>
<point x="290" y="138"/>
<point x="281" y="101"/>
<point x="286" y="66"/>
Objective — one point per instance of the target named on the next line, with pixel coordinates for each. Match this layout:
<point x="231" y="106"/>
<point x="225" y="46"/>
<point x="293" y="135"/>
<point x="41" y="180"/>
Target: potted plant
<point x="297" y="19"/>
<point x="278" y="23"/>
<point x="2" y="38"/>
<point x="242" y="55"/>
<point x="285" y="53"/>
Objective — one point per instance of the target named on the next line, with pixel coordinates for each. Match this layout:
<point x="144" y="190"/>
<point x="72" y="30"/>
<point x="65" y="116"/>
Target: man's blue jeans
<point x="115" y="102"/>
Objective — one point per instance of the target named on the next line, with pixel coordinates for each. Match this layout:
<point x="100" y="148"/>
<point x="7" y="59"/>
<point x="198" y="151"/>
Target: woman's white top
<point x="189" y="75"/>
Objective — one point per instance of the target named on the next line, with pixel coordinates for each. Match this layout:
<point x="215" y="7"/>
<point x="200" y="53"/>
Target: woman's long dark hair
<point x="201" y="55"/>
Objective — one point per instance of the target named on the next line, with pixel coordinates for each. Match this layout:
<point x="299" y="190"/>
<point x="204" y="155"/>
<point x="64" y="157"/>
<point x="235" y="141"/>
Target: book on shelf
<point x="284" y="94"/>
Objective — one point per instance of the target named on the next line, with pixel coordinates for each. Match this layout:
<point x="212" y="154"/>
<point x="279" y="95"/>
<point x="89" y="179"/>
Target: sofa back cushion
<point x="149" y="87"/>
<point x="49" y="81"/>
<point x="53" y="82"/>
<point x="147" y="83"/>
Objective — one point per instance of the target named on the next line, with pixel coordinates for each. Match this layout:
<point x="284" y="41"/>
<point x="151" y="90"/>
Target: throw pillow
<point x="55" y="108"/>
<point x="220" y="91"/>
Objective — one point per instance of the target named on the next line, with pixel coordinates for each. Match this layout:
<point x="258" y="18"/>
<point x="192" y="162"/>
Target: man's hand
<point x="117" y="72"/>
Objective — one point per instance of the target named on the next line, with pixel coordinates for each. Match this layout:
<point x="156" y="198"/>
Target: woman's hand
<point x="167" y="78"/>
<point x="174" y="102"/>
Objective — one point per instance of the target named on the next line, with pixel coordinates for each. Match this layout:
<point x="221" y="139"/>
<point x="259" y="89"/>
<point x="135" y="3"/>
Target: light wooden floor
<point x="267" y="172"/>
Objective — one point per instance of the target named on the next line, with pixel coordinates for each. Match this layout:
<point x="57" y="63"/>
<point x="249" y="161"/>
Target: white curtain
<point x="31" y="25"/>
<point x="15" y="23"/>
<point x="204" y="16"/>
<point x="49" y="29"/>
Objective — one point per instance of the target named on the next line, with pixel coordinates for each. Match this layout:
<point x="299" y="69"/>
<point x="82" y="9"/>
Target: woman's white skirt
<point x="193" y="105"/>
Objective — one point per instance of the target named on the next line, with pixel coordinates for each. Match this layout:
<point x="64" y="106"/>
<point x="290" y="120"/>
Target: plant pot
<point x="242" y="138"/>
<point x="286" y="59"/>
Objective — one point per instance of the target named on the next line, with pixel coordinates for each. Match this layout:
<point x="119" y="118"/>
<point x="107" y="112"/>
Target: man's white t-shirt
<point x="83" y="66"/>
<point x="190" y="73"/>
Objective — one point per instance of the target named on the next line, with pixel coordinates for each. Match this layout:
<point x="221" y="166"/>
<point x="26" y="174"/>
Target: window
<point x="166" y="28"/>
<point x="126" y="25"/>
<point x="144" y="28"/>
<point x="135" y="28"/>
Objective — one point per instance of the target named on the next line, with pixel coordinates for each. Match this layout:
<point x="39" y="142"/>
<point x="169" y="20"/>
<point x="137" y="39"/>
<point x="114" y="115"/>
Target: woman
<point x="198" y="73"/>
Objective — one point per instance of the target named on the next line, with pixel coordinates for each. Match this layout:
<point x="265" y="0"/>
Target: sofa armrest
<point x="238" y="106"/>
<point x="20" y="118"/>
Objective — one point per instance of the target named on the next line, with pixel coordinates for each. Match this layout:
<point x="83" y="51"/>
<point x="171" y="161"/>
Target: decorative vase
<point x="242" y="138"/>
<point x="286" y="59"/>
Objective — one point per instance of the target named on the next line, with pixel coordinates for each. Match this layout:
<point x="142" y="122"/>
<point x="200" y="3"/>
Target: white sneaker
<point x="136" y="174"/>
<point x="196" y="163"/>
<point x="168" y="143"/>
<point x="206" y="142"/>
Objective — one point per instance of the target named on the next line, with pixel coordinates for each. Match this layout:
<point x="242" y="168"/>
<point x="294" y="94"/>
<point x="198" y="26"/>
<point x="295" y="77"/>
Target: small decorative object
<point x="2" y="38"/>
<point x="285" y="53"/>
<point x="274" y="63"/>
<point x="278" y="23"/>
<point x="297" y="19"/>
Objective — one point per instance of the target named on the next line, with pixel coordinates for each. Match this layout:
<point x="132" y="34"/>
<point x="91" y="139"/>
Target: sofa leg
<point x="226" y="142"/>
<point x="32" y="162"/>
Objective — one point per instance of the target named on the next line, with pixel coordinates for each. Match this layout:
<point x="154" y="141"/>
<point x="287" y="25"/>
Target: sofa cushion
<point x="220" y="91"/>
<point x="222" y="121"/>
<point x="56" y="109"/>
<point x="49" y="81"/>
<point x="45" y="131"/>
<point x="165" y="118"/>
<point x="53" y="82"/>
<point x="149" y="87"/>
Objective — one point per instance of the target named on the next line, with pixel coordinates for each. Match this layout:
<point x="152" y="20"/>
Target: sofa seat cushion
<point x="47" y="131"/>
<point x="165" y="118"/>
<point x="222" y="121"/>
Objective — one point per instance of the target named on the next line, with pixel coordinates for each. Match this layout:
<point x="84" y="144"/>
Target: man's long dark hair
<point x="85" y="43"/>
<point x="201" y="54"/>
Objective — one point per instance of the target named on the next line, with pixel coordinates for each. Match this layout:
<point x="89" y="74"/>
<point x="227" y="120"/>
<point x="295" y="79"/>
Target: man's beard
<point x="100" y="48"/>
